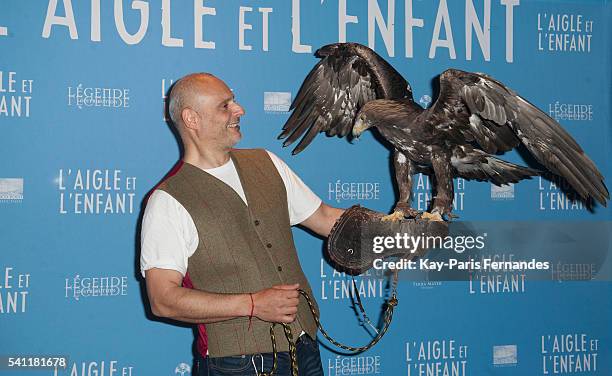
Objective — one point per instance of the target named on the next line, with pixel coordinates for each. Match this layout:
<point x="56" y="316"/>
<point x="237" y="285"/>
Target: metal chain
<point x="388" y="316"/>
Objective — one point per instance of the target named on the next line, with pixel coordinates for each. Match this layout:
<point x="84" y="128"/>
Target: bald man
<point x="216" y="242"/>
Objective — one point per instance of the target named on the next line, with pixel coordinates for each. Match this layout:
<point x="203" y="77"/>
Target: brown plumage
<point x="352" y="89"/>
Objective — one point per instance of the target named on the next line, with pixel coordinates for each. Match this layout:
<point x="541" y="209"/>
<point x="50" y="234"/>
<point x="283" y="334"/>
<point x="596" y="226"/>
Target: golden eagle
<point x="352" y="89"/>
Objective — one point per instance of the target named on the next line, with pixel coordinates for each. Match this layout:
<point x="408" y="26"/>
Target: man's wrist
<point x="246" y="304"/>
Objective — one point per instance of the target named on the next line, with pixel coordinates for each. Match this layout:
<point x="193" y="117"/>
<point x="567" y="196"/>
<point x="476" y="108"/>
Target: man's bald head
<point x="185" y="93"/>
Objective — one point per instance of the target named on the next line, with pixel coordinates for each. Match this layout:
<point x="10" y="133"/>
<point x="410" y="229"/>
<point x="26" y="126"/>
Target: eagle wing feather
<point x="334" y="91"/>
<point x="498" y="119"/>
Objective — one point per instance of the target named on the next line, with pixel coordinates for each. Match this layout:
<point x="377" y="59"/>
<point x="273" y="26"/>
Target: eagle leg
<point x="403" y="176"/>
<point x="443" y="201"/>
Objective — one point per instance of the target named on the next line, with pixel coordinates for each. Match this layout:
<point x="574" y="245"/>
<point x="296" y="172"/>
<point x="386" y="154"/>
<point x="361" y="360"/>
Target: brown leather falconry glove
<point x="358" y="238"/>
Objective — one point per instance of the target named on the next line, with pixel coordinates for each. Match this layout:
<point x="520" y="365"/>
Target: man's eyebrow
<point x="229" y="98"/>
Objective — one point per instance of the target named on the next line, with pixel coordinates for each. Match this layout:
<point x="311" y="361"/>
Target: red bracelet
<point x="252" y="309"/>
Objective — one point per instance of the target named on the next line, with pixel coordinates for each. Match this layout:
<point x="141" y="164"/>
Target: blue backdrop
<point x="82" y="86"/>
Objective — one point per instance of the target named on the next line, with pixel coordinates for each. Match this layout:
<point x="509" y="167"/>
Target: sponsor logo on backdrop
<point x="276" y="102"/>
<point x="165" y="86"/>
<point x="425" y="100"/>
<point x="182" y="369"/>
<point x="14" y="290"/>
<point x="573" y="272"/>
<point x="570" y="353"/>
<point x="353" y="191"/>
<point x="489" y="281"/>
<point x="336" y="285"/>
<point x="564" y="32"/>
<point x="11" y="190"/>
<point x="426" y="285"/>
<point x="436" y="357"/>
<point x="505" y="355"/>
<point x="79" y="287"/>
<point x="421" y="198"/>
<point x="354" y="365"/>
<point x="15" y="95"/>
<point x="96" y="368"/>
<point x="552" y="196"/>
<point x="95" y="191"/>
<point x="503" y="192"/>
<point x="83" y="96"/>
<point x="570" y="111"/>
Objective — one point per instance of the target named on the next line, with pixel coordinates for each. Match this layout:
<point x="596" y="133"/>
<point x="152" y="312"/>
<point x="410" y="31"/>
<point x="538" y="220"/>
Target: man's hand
<point x="277" y="304"/>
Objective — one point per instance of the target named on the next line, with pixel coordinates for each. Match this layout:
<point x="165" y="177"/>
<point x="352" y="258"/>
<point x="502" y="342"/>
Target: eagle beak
<point x="359" y="127"/>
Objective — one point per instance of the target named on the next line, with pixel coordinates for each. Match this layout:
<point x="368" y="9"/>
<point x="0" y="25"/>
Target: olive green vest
<point x="242" y="248"/>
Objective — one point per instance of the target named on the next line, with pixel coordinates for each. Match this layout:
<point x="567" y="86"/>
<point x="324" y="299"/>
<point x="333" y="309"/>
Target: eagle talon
<point x="397" y="215"/>
<point x="434" y="216"/>
<point x="406" y="210"/>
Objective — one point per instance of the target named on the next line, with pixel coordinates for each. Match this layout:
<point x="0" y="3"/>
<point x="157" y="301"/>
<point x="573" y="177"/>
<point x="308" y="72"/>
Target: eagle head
<point x="370" y="115"/>
<point x="362" y="123"/>
<point x="384" y="113"/>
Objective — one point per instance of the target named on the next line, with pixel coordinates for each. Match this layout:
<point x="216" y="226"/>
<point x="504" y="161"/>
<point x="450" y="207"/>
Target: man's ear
<point x="190" y="118"/>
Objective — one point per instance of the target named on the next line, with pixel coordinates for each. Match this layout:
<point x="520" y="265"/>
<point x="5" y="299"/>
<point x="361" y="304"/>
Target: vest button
<point x="256" y="222"/>
<point x="280" y="268"/>
<point x="269" y="245"/>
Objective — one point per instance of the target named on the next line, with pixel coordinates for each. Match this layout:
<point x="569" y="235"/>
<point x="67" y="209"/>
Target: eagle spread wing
<point x="347" y="76"/>
<point x="480" y="109"/>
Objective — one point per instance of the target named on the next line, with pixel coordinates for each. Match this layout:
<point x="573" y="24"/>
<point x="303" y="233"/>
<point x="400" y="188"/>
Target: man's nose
<point x="238" y="110"/>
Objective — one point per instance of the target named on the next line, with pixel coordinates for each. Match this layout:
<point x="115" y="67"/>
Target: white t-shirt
<point x="169" y="236"/>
